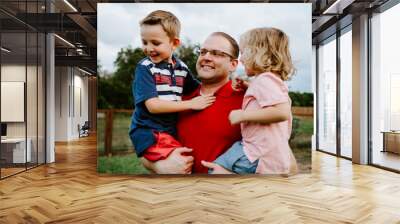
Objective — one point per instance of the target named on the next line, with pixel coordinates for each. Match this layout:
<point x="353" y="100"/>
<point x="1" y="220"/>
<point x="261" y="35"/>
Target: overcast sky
<point x="118" y="27"/>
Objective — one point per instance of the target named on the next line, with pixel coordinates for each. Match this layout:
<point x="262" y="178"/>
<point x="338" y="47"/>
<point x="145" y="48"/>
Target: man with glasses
<point x="208" y="133"/>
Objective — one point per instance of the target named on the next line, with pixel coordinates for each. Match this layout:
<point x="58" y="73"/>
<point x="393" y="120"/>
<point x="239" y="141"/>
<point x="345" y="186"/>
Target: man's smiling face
<point x="214" y="68"/>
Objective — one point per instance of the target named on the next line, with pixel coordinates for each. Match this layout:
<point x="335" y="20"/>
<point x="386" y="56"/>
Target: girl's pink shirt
<point x="268" y="142"/>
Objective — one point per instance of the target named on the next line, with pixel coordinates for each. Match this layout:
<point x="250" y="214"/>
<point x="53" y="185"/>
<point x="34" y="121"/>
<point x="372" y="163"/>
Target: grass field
<point x="124" y="160"/>
<point x="301" y="143"/>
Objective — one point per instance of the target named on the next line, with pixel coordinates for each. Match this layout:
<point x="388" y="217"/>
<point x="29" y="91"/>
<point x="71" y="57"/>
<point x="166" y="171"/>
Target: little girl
<point x="265" y="117"/>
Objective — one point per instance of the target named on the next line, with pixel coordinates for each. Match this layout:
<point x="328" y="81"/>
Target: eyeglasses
<point x="213" y="53"/>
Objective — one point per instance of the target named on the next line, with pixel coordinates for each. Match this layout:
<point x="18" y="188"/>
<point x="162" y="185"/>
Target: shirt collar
<point x="224" y="91"/>
<point x="165" y="64"/>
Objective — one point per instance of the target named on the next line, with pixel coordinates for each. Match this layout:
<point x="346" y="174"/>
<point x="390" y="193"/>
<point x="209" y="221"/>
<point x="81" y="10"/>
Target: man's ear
<point x="233" y="65"/>
<point x="176" y="42"/>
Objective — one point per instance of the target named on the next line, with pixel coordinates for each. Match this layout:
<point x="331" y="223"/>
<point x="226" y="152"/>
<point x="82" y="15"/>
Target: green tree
<point x="103" y="86"/>
<point x="115" y="90"/>
<point x="301" y="99"/>
<point x="103" y="97"/>
<point x="186" y="53"/>
<point x="126" y="62"/>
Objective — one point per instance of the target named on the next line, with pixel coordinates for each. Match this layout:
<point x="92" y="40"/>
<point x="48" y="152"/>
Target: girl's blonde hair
<point x="267" y="50"/>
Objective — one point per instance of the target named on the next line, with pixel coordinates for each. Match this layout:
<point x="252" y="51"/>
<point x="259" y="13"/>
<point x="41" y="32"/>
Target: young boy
<point x="160" y="81"/>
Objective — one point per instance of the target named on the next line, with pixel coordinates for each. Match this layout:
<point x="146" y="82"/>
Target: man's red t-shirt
<point x="208" y="132"/>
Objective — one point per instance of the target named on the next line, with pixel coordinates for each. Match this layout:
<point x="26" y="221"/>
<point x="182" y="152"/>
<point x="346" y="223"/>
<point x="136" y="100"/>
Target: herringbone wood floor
<point x="70" y="191"/>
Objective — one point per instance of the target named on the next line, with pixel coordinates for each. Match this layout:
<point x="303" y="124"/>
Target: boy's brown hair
<point x="169" y="22"/>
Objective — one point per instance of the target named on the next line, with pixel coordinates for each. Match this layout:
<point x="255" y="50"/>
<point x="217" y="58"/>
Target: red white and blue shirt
<point x="165" y="81"/>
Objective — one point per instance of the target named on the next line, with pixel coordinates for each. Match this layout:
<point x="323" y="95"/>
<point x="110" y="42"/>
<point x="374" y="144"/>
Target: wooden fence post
<point x="303" y="111"/>
<point x="108" y="134"/>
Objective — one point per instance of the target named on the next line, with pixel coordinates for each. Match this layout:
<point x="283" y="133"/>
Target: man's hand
<point x="175" y="163"/>
<point x="217" y="169"/>
<point x="201" y="102"/>
<point x="236" y="116"/>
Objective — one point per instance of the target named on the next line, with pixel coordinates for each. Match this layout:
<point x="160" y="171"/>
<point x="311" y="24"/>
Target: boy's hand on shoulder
<point x="236" y="116"/>
<point x="201" y="102"/>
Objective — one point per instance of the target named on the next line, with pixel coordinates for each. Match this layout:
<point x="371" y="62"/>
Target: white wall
<point x="33" y="126"/>
<point x="16" y="73"/>
<point x="61" y="103"/>
<point x="71" y="102"/>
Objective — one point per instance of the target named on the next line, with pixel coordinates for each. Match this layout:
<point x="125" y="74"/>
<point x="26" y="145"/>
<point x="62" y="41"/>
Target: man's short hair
<point x="232" y="41"/>
<point x="169" y="22"/>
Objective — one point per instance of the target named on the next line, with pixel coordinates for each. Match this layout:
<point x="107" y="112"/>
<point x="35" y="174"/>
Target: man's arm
<point x="175" y="163"/>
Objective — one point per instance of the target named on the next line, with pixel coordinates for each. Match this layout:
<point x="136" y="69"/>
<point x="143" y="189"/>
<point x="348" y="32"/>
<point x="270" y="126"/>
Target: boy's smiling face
<point x="156" y="44"/>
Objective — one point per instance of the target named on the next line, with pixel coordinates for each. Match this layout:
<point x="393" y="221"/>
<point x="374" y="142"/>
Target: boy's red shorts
<point x="164" y="145"/>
